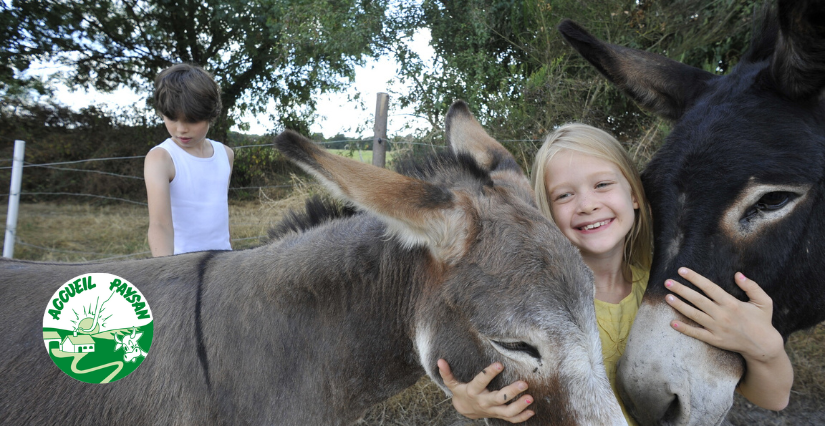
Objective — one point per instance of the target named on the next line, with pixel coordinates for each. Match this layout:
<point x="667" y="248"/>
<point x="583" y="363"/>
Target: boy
<point x="187" y="179"/>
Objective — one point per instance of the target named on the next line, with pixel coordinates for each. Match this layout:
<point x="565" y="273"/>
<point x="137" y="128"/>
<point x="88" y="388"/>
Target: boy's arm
<point x="158" y="171"/>
<point x="743" y="327"/>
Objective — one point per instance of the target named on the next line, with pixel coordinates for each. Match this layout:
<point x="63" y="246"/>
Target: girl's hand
<point x="726" y="322"/>
<point x="744" y="327"/>
<point x="474" y="401"/>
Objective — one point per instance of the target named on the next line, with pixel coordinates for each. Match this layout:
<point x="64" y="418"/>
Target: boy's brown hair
<point x="187" y="92"/>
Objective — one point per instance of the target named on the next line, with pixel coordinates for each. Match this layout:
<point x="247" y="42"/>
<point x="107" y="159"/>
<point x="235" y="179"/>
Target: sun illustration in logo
<point x="98" y="328"/>
<point x="90" y="322"/>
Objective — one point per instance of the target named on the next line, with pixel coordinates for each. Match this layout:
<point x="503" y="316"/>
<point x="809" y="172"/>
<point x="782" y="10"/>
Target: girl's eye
<point x="603" y="184"/>
<point x="561" y="197"/>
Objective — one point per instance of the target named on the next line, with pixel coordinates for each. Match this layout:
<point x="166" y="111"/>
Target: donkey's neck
<point x="338" y="302"/>
<point x="351" y="265"/>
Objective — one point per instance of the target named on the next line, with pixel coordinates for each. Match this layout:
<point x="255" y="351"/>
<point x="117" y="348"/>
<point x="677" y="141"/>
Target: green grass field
<point x="363" y="156"/>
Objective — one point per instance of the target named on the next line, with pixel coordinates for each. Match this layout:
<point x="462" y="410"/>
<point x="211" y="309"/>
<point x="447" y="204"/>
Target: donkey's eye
<point x="519" y="347"/>
<point x="775" y="200"/>
<point x="769" y="202"/>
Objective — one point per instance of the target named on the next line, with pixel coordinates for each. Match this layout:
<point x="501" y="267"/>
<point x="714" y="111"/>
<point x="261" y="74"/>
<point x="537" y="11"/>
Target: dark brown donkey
<point x="453" y="261"/>
<point x="739" y="186"/>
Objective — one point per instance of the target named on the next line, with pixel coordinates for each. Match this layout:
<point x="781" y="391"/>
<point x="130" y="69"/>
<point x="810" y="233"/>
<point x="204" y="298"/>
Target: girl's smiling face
<point x="591" y="202"/>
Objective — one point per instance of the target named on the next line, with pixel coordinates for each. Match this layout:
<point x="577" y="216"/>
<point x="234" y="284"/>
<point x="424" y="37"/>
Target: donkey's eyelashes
<point x="775" y="200"/>
<point x="769" y="202"/>
<point x="522" y="347"/>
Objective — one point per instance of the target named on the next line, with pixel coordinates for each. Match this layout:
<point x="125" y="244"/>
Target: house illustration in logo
<point x="75" y="343"/>
<point x="49" y="337"/>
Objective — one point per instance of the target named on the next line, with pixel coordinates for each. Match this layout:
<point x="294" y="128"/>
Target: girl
<point x="585" y="182"/>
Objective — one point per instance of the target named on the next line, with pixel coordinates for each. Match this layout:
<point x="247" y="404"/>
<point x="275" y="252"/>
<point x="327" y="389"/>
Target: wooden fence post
<point x="379" y="141"/>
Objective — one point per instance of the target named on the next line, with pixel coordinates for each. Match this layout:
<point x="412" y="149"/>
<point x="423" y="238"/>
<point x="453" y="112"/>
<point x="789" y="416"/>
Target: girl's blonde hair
<point x="588" y="140"/>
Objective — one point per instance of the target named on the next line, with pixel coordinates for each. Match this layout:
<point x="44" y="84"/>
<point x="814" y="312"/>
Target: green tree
<point x="260" y="51"/>
<point x="13" y="56"/>
<point x="506" y="58"/>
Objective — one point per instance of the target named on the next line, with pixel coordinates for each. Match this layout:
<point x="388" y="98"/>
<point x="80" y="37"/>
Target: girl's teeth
<point x="594" y="225"/>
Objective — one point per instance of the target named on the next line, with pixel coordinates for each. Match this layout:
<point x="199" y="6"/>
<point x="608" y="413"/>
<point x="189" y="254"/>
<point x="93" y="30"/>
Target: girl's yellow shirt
<point x="615" y="321"/>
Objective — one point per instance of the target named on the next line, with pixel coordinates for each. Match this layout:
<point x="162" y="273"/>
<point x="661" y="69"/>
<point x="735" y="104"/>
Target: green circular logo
<point x="98" y="328"/>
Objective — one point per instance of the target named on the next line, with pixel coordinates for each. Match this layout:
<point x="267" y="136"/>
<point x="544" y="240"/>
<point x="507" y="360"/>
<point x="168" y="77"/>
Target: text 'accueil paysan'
<point x="98" y="328"/>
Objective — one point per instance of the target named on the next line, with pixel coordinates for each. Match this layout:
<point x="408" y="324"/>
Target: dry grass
<point x="68" y="232"/>
<point x="807" y="405"/>
<point x="80" y="232"/>
<point x="807" y="352"/>
<point x="421" y="404"/>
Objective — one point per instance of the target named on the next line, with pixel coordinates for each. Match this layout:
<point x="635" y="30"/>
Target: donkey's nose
<point x="657" y="404"/>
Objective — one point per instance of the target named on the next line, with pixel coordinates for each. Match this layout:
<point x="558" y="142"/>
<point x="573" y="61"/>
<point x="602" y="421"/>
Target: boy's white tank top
<point x="199" y="197"/>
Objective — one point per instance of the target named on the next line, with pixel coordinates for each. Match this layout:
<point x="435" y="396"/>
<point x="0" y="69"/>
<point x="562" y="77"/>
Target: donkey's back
<point x="35" y="391"/>
<point x="452" y="261"/>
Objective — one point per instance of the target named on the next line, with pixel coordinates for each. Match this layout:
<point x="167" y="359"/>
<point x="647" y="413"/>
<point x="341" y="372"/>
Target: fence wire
<point x="54" y="165"/>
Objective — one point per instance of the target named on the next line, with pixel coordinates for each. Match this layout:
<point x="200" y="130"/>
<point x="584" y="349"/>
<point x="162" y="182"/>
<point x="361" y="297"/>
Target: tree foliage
<point x="507" y="60"/>
<point x="260" y="51"/>
<point x="504" y="57"/>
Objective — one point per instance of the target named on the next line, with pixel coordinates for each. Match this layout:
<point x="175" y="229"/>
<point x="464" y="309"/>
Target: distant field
<point x="363" y="156"/>
<point x="80" y="232"/>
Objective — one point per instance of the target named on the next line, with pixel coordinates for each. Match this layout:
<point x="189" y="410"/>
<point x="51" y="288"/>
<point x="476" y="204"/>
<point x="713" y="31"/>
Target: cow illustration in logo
<point x="129" y="343"/>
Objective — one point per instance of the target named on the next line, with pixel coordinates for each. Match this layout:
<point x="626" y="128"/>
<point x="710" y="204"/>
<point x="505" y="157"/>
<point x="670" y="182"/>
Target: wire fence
<point x="61" y="163"/>
<point x="352" y="145"/>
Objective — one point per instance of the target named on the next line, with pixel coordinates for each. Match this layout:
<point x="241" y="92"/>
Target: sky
<point x="335" y="114"/>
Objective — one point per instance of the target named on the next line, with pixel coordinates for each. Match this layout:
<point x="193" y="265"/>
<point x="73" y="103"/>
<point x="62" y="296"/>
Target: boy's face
<point x="185" y="134"/>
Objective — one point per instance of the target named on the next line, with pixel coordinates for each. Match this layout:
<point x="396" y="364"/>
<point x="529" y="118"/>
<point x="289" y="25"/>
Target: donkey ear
<point x="466" y="136"/>
<point x="655" y="82"/>
<point x="798" y="64"/>
<point x="418" y="212"/>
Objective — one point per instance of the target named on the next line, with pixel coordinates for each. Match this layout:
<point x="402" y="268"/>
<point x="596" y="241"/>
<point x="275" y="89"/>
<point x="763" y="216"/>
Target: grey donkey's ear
<point x="418" y="212"/>
<point x="466" y="136"/>
<point x="659" y="84"/>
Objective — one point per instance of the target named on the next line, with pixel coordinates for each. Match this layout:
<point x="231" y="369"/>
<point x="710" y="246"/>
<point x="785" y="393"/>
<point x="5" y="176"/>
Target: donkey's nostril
<point x="673" y="414"/>
<point x="660" y="408"/>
